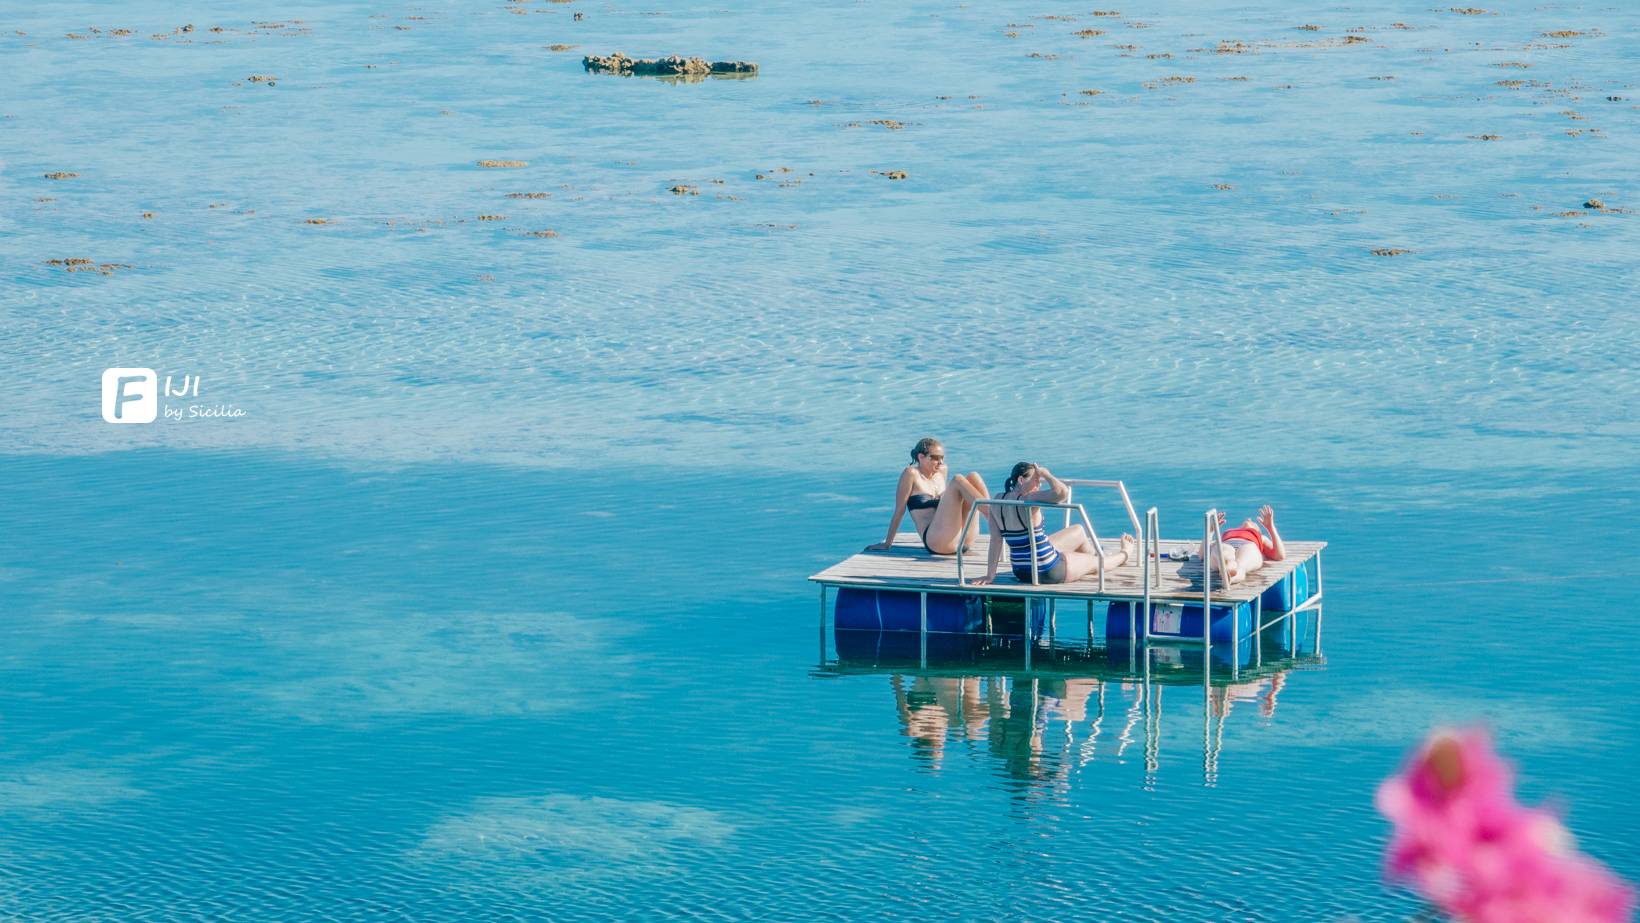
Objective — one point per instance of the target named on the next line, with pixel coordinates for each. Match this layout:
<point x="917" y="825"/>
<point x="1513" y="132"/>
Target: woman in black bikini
<point x="937" y="513"/>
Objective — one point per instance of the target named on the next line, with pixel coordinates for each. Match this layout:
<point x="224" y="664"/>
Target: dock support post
<point x="1319" y="591"/>
<point x="925" y="629"/>
<point x="1258" y="631"/>
<point x="1090" y="625"/>
<point x="1153" y="567"/>
<point x="1292" y="631"/>
<point x="1207" y="592"/>
<point x="822" y="624"/>
<point x="1144" y="577"/>
<point x="1053" y="620"/>
<point x="1030" y="641"/>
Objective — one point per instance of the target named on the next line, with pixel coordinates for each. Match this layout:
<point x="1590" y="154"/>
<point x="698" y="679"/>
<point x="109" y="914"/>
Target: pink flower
<point x="1463" y="841"/>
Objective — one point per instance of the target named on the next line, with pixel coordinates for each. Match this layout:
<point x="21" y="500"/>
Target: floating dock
<point x="910" y="567"/>
<point x="1161" y="597"/>
<point x="1157" y="609"/>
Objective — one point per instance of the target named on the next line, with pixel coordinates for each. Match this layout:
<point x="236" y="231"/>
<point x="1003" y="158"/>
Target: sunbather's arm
<point x="1056" y="491"/>
<point x="995" y="552"/>
<point x="902" y="493"/>
<point x="1267" y="518"/>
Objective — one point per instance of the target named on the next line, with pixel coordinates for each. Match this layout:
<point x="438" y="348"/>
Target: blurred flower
<point x="1464" y="842"/>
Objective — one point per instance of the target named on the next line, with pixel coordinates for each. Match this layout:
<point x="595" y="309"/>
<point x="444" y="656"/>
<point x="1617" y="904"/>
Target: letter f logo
<point x="130" y="395"/>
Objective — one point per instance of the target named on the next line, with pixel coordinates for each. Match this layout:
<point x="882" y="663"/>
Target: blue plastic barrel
<point x="897" y="610"/>
<point x="1288" y="592"/>
<point x="1229" y="622"/>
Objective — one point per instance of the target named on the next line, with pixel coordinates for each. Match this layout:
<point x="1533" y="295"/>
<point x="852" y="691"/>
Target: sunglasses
<point x="937" y="458"/>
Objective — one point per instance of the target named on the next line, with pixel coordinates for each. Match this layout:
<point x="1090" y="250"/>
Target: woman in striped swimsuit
<point x="1247" y="548"/>
<point x="1062" y="557"/>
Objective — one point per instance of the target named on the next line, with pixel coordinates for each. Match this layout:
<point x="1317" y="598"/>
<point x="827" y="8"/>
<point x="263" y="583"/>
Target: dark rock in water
<point x="1594" y="203"/>
<point x="672" y="66"/>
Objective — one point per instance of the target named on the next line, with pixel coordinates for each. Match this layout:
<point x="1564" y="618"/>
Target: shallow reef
<point x="675" y="66"/>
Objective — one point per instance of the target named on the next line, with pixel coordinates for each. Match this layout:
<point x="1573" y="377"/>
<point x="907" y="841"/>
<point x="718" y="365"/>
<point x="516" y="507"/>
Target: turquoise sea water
<point x="492" y="603"/>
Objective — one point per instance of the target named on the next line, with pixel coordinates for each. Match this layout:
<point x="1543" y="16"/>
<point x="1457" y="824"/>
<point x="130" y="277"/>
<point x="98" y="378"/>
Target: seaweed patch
<point x="676" y="66"/>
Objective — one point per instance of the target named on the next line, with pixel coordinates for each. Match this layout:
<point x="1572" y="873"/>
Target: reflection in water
<point x="1009" y="716"/>
<point x="1018" y="718"/>
<point x="929" y="705"/>
<point x="1077" y="704"/>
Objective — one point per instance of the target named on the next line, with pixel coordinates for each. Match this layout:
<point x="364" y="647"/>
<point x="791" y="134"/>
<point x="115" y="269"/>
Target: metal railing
<point x="1212" y="540"/>
<point x="1152" y="546"/>
<point x="1030" y="530"/>
<point x="1153" y="538"/>
<point x="1138" y="531"/>
<point x="1149" y="534"/>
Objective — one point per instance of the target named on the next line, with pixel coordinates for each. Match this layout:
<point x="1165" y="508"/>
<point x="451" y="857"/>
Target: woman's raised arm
<point x="1267" y="518"/>
<point x="1056" y="491"/>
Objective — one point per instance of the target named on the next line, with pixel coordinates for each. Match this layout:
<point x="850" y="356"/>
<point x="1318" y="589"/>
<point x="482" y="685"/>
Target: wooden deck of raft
<point x="909" y="566"/>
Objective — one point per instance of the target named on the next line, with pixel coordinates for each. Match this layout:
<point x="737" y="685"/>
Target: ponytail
<point x="1022" y="471"/>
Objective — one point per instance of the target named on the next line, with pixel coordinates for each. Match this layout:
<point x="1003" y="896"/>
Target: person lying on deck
<point x="1062" y="557"/>
<point x="937" y="513"/>
<point x="1247" y="548"/>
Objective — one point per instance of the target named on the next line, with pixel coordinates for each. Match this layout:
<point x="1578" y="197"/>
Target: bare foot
<point x="1129" y="543"/>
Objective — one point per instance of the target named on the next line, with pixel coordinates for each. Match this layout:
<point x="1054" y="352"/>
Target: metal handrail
<point x="1153" y="540"/>
<point x="1217" y="532"/>
<point x="1211" y="530"/>
<point x="1138" y="531"/>
<point x="1153" y="530"/>
<point x="1087" y="526"/>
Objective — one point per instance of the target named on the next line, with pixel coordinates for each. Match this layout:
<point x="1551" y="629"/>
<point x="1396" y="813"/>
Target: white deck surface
<point x="909" y="566"/>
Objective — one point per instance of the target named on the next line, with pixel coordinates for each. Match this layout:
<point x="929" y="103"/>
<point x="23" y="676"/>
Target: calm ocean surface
<point x="492" y="602"/>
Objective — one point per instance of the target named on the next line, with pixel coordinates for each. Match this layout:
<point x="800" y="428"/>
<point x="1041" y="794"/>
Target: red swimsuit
<point x="1265" y="546"/>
